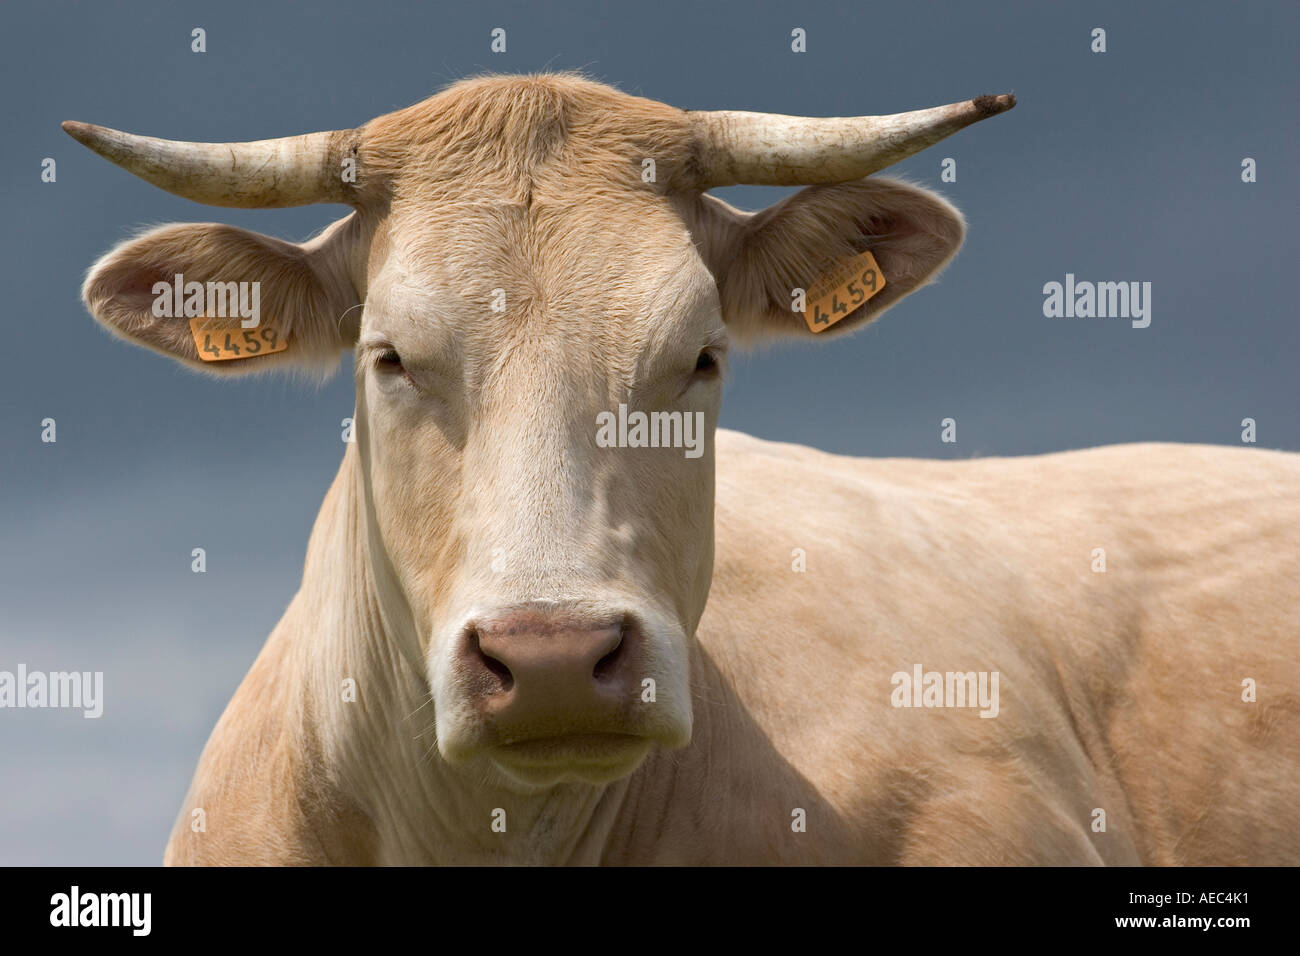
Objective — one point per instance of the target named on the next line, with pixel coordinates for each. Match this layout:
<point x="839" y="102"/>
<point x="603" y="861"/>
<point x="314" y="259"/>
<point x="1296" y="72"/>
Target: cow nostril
<point x="606" y="665"/>
<point x="500" y="670"/>
<point x="492" y="665"/>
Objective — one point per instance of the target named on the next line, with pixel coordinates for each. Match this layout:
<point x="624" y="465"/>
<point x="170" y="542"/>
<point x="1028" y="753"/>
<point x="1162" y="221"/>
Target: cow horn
<point x="767" y="149"/>
<point x="269" y="173"/>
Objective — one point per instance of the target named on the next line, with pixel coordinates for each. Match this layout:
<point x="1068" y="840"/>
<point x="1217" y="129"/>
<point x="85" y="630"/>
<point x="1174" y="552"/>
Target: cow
<point x="528" y="634"/>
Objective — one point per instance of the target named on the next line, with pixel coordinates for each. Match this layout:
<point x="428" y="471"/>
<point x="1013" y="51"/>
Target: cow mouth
<point x="583" y="757"/>
<point x="572" y="746"/>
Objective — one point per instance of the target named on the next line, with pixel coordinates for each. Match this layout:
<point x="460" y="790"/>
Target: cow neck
<point x="378" y="750"/>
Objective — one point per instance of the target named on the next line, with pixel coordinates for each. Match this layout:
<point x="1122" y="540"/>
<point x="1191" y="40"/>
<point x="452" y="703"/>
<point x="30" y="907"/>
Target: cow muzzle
<point x="555" y="692"/>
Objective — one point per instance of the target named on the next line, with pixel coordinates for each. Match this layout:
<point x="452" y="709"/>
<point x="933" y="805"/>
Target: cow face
<point x="540" y="296"/>
<point x="553" y="573"/>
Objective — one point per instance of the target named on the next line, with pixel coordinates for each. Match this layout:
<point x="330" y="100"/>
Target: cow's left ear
<point x="190" y="291"/>
<point x="813" y="241"/>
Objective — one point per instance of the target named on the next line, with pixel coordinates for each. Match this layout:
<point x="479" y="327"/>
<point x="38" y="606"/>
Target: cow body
<point x="1121" y="690"/>
<point x="519" y="641"/>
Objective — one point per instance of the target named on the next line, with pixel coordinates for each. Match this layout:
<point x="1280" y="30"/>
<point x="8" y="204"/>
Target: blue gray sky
<point x="1117" y="166"/>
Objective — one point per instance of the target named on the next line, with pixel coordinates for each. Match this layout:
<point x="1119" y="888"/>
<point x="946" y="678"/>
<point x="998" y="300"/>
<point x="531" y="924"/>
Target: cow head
<point x="540" y="295"/>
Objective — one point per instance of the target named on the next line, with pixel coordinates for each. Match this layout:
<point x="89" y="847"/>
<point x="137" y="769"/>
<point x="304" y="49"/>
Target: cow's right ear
<point x="165" y="290"/>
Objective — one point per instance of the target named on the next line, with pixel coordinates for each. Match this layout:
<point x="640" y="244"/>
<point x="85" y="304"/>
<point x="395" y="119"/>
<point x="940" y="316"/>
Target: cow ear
<point x="813" y="241"/>
<point x="151" y="289"/>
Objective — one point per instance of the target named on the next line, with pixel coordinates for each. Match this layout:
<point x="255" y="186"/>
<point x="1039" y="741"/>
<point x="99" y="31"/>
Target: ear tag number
<point x="840" y="292"/>
<point x="221" y="344"/>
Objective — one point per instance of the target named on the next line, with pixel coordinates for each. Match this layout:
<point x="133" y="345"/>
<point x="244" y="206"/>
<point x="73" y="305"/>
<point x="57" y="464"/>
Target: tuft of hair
<point x="512" y="135"/>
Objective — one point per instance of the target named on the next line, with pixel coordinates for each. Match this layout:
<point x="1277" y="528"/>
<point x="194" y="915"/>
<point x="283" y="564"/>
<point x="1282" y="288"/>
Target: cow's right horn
<point x="268" y="173"/>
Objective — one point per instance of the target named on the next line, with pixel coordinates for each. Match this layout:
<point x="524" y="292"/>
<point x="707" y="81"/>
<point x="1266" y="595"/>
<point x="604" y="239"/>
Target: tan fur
<point x="476" y="482"/>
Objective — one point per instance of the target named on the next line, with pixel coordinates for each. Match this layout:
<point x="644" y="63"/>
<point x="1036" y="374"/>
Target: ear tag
<point x="221" y="343"/>
<point x="840" y="292"/>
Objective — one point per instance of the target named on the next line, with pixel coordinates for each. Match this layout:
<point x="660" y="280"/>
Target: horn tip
<point x="993" y="105"/>
<point x="83" y="133"/>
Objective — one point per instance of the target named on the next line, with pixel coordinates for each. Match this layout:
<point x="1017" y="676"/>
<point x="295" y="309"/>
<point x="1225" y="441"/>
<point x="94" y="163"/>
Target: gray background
<point x="1120" y="166"/>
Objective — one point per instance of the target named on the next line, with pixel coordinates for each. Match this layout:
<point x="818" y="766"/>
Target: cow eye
<point x="388" y="360"/>
<point x="707" y="362"/>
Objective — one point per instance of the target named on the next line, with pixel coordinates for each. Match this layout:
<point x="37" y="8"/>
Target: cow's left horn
<point x="268" y="173"/>
<point x="767" y="149"/>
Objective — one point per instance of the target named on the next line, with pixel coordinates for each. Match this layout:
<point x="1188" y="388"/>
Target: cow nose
<point x="541" y="668"/>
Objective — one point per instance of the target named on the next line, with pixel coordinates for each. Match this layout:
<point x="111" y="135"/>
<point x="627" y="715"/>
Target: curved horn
<point x="767" y="149"/>
<point x="269" y="173"/>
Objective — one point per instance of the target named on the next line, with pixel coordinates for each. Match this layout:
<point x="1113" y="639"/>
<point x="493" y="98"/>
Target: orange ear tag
<point x="223" y="343"/>
<point x="840" y="292"/>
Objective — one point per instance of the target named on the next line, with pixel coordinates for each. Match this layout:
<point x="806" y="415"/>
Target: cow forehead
<point x="617" y="273"/>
